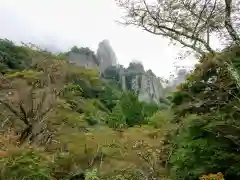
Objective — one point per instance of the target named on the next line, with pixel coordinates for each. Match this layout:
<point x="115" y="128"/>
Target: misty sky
<point x="64" y="23"/>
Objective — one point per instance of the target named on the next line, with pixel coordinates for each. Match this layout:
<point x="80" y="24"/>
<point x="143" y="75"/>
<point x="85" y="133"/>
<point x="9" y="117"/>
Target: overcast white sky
<point x="64" y="23"/>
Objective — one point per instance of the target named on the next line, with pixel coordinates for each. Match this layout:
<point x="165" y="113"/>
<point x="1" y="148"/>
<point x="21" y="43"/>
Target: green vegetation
<point x="205" y="137"/>
<point x="208" y="104"/>
<point x="64" y="122"/>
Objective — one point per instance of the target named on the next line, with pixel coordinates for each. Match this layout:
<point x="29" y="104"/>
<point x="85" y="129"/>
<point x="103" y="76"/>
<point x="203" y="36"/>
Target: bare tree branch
<point x="30" y="112"/>
<point x="228" y="23"/>
<point x="12" y="109"/>
<point x="24" y="117"/>
<point x="193" y="23"/>
<point x="41" y="102"/>
<point x="200" y="16"/>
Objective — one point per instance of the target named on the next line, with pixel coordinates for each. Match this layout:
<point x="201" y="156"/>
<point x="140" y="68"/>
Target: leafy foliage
<point x="132" y="109"/>
<point x="109" y="96"/>
<point x="116" y="119"/>
<point x="64" y="113"/>
<point x="149" y="109"/>
<point x="208" y="102"/>
<point x="83" y="126"/>
<point x="13" y="57"/>
<point x="25" y="165"/>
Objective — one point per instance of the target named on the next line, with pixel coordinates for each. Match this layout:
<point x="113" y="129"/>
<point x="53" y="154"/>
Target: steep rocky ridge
<point x="104" y="58"/>
<point x="133" y="78"/>
<point x="144" y="83"/>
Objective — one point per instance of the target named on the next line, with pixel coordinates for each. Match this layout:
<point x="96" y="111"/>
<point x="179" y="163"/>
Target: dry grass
<point x="9" y="144"/>
<point x="102" y="148"/>
<point x="110" y="150"/>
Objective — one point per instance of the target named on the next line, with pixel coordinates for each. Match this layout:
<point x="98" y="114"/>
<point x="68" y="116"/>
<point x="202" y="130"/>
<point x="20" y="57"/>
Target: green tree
<point x="208" y="142"/>
<point x="207" y="105"/>
<point x="109" y="96"/>
<point x="132" y="109"/>
<point x="149" y="109"/>
<point x="116" y="119"/>
<point x="111" y="73"/>
<point x="13" y="57"/>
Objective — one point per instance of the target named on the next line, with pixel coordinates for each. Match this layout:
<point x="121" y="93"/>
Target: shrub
<point x="132" y="109"/>
<point x="29" y="165"/>
<point x="161" y="119"/>
<point x="218" y="176"/>
<point x="116" y="119"/>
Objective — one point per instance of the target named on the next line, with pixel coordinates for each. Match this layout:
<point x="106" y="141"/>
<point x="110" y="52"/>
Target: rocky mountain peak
<point x="106" y="55"/>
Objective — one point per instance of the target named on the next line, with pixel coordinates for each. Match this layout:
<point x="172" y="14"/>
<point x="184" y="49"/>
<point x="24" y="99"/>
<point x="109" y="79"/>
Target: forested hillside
<point x="64" y="120"/>
<point x="60" y="121"/>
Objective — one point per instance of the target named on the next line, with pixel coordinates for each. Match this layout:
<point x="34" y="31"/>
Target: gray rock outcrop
<point x="106" y="55"/>
<point x="83" y="57"/>
<point x="134" y="78"/>
<point x="104" y="58"/>
<point x="151" y="88"/>
<point x="144" y="83"/>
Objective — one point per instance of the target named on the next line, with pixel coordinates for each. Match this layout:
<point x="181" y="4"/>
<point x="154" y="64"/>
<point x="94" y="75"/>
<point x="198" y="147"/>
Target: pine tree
<point x="116" y="119"/>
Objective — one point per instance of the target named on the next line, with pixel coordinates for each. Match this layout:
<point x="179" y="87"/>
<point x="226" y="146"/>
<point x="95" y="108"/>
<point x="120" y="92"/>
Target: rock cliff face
<point x="144" y="83"/>
<point x="106" y="55"/>
<point x="151" y="89"/>
<point x="104" y="58"/>
<point x="134" y="78"/>
<point x="83" y="57"/>
<point x="180" y="78"/>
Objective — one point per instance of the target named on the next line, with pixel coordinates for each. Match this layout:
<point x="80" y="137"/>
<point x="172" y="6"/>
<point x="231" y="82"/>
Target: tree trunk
<point x="25" y="134"/>
<point x="228" y="23"/>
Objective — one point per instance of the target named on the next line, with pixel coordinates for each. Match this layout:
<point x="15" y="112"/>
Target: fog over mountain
<point x="85" y="25"/>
